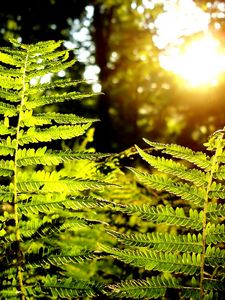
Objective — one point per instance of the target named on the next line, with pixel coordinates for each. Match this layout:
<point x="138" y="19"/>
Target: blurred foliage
<point x="142" y="99"/>
<point x="139" y="99"/>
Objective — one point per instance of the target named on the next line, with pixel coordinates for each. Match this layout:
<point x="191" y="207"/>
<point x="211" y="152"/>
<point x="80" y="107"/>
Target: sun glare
<point x="202" y="61"/>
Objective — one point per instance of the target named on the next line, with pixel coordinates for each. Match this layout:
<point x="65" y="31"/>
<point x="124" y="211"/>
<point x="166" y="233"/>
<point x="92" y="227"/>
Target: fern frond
<point x="7" y="146"/>
<point x="215" y="211"/>
<point x="52" y="67"/>
<point x="6" y="167"/>
<point x="46" y="182"/>
<point x="160" y="261"/>
<point x="69" y="288"/>
<point x="6" y="194"/>
<point x="10" y="72"/>
<point x="10" y="60"/>
<point x="220" y="173"/>
<point x="28" y="157"/>
<point x="4" y="130"/>
<point x="217" y="191"/>
<point x="162" y="241"/>
<point x="8" y="110"/>
<point x="215" y="233"/>
<point x="151" y="288"/>
<point x="19" y="54"/>
<point x="203" y="253"/>
<point x="200" y="159"/>
<point x="214" y="284"/>
<point x="41" y="62"/>
<point x="191" y="293"/>
<point x="56" y="98"/>
<point x="184" y="190"/>
<point x="11" y="82"/>
<point x="33" y="135"/>
<point x="9" y="293"/>
<point x="39" y="229"/>
<point x="74" y="203"/>
<point x="215" y="256"/>
<point x="12" y="96"/>
<point x="40" y="47"/>
<point x="61" y="83"/>
<point x="50" y="118"/>
<point x="167" y="214"/>
<point x="174" y="168"/>
<point x="58" y="260"/>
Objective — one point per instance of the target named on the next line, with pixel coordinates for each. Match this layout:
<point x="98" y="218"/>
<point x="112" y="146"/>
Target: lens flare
<point x="200" y="63"/>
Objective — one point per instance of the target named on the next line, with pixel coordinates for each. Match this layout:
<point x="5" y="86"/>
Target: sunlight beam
<point x="200" y="63"/>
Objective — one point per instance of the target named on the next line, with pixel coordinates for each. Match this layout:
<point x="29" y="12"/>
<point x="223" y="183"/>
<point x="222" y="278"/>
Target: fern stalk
<point x="219" y="148"/>
<point x="16" y="215"/>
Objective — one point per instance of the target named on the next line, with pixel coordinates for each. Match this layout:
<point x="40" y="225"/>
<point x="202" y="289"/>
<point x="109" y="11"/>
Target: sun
<point x="201" y="63"/>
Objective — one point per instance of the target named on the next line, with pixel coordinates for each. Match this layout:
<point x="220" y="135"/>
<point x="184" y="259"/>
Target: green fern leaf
<point x="215" y="233"/>
<point x="215" y="257"/>
<point x="12" y="96"/>
<point x="40" y="47"/>
<point x="52" y="67"/>
<point x="220" y="173"/>
<point x="187" y="192"/>
<point x="7" y="146"/>
<point x="10" y="60"/>
<point x="46" y="182"/>
<point x="11" y="82"/>
<point x="173" y="168"/>
<point x="214" y="284"/>
<point x="8" y="110"/>
<point x="40" y="62"/>
<point x="33" y="135"/>
<point x="61" y="83"/>
<point x="217" y="191"/>
<point x="200" y="159"/>
<point x="6" y="194"/>
<point x="69" y="288"/>
<point x="216" y="211"/>
<point x="57" y="98"/>
<point x="38" y="228"/>
<point x="6" y="167"/>
<point x="154" y="260"/>
<point x="162" y="241"/>
<point x="11" y="71"/>
<point x="48" y="119"/>
<point x="167" y="214"/>
<point x="4" y="130"/>
<point x="74" y="203"/>
<point x="43" y="156"/>
<point x="58" y="260"/>
<point x="151" y="288"/>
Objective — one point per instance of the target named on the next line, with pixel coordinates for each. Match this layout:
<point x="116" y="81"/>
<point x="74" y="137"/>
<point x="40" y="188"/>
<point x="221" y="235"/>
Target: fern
<point x="196" y="255"/>
<point x="149" y="288"/>
<point x="41" y="208"/>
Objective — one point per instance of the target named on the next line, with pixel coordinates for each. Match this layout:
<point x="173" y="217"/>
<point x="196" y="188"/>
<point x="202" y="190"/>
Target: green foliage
<point x="45" y="219"/>
<point x="190" y="256"/>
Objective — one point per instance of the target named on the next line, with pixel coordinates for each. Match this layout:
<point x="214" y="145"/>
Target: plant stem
<point x="204" y="220"/>
<point x="16" y="214"/>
